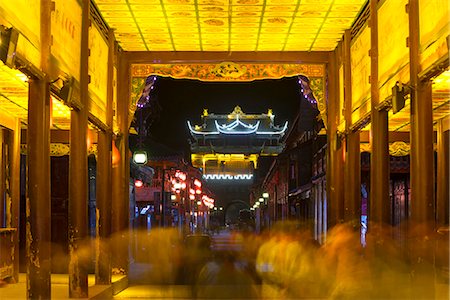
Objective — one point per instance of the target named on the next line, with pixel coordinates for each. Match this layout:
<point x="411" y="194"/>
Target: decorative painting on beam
<point x="228" y="72"/>
<point x="60" y="149"/>
<point x="398" y="148"/>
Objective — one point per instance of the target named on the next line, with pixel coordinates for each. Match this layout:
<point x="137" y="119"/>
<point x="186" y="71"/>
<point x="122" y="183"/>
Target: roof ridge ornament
<point x="229" y="128"/>
<point x="237" y="111"/>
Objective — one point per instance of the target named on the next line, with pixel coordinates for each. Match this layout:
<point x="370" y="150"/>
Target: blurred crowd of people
<point x="287" y="263"/>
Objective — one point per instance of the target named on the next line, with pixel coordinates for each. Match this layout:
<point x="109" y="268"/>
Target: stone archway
<point x="231" y="211"/>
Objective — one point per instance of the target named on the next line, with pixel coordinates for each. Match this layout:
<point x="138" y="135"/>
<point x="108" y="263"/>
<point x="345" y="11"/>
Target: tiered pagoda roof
<point x="237" y="132"/>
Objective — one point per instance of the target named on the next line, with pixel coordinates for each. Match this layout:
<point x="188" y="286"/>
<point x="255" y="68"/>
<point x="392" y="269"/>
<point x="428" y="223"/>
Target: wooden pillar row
<point x="78" y="175"/>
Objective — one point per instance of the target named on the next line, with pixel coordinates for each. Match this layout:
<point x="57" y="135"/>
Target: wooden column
<point x="121" y="172"/>
<point x="104" y="194"/>
<point x="352" y="178"/>
<point x="38" y="201"/>
<point x="443" y="178"/>
<point x="104" y="181"/>
<point x="78" y="175"/>
<point x="421" y="169"/>
<point x="422" y="156"/>
<point x="379" y="159"/>
<point x="15" y="192"/>
<point x="379" y="203"/>
<point x="335" y="170"/>
<point x="38" y="208"/>
<point x="2" y="177"/>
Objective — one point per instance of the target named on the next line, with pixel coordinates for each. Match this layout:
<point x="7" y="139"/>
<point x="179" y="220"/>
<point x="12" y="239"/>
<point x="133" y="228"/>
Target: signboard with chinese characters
<point x="360" y="65"/>
<point x="434" y="31"/>
<point x="393" y="53"/>
<point x="98" y="71"/>
<point x="66" y="33"/>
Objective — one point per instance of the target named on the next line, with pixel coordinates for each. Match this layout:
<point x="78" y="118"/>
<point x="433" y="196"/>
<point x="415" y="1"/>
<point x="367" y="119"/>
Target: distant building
<point x="227" y="147"/>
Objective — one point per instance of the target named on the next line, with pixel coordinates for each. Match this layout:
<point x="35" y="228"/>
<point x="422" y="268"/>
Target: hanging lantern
<point x="89" y="138"/>
<point x="138" y="183"/>
<point x="115" y="155"/>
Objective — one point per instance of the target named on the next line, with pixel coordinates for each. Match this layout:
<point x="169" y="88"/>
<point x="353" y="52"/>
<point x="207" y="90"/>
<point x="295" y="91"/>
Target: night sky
<point x="180" y="100"/>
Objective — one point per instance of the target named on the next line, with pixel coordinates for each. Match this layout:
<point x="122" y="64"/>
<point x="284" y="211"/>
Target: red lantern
<point x="138" y="183"/>
<point x="115" y="155"/>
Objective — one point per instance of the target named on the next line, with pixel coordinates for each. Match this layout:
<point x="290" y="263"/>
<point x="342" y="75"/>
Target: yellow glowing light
<point x="22" y="77"/>
<point x="59" y="110"/>
<point x="442" y="82"/>
<point x="140" y="157"/>
<point x="199" y="160"/>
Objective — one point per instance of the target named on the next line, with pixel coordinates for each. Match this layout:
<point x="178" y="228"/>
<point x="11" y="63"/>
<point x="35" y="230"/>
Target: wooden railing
<point x="7" y="252"/>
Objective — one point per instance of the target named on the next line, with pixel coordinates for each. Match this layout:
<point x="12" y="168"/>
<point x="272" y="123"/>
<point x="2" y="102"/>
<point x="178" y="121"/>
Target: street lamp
<point x="140" y="157"/>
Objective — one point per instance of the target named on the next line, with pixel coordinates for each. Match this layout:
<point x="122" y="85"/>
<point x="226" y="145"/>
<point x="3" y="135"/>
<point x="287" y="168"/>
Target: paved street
<point x="288" y="269"/>
<point x="224" y="277"/>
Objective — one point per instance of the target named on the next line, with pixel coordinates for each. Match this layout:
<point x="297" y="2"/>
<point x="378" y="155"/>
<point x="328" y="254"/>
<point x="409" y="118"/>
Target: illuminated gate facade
<point x="227" y="147"/>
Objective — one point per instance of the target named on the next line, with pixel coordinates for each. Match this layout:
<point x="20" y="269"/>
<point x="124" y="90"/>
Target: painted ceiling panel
<point x="276" y="18"/>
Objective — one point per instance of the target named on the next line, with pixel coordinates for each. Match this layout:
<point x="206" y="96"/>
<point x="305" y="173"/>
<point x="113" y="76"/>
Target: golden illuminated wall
<point x="393" y="53"/>
<point x="434" y="29"/>
<point x="360" y="65"/>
